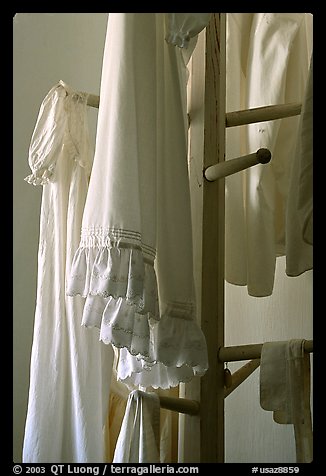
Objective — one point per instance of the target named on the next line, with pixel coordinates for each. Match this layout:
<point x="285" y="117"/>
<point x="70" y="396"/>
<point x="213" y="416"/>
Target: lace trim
<point x="172" y="342"/>
<point x="117" y="271"/>
<point x="122" y="301"/>
<point x="134" y="372"/>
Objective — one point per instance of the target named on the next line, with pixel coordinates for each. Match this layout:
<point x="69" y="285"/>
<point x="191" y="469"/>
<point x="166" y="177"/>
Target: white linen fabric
<point x="119" y="394"/>
<point x="268" y="57"/>
<point x="139" y="437"/>
<point x="134" y="261"/>
<point x="69" y="372"/>
<point x="285" y="390"/>
<point x="299" y="223"/>
<point x="182" y="27"/>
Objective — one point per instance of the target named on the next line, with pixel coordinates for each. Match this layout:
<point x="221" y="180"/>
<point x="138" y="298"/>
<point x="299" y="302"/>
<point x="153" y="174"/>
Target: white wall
<point x="47" y="47"/>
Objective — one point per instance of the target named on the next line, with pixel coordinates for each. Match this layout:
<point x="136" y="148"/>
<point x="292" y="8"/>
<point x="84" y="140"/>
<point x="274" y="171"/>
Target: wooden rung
<point x="239" y="118"/>
<point x="181" y="405"/>
<point x="241" y="374"/>
<point x="262" y="114"/>
<point x="250" y="351"/>
<point x="232" y="166"/>
<point x="93" y="100"/>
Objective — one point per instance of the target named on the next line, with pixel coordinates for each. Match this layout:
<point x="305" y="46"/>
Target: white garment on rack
<point x="268" y="58"/>
<point x="285" y="390"/>
<point x="134" y="262"/>
<point x="70" y="372"/>
<point x="299" y="223"/>
<point x="183" y="27"/>
<point x="139" y="437"/>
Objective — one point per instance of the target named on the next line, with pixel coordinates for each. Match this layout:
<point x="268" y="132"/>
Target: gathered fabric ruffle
<point x="158" y="347"/>
<point x="116" y="272"/>
<point x="179" y="354"/>
<point x="41" y="177"/>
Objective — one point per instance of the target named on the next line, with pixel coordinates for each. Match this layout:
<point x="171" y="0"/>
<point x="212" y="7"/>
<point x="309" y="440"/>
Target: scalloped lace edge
<point x="170" y="381"/>
<point x="146" y="356"/>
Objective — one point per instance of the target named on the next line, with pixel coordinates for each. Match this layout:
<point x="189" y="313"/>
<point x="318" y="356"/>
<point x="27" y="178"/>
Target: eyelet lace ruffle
<point x="117" y="272"/>
<point x="178" y="354"/>
<point x="120" y="288"/>
<point x="158" y="347"/>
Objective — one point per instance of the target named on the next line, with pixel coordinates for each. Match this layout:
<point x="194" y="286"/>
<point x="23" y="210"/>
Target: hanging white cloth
<point x="285" y="390"/>
<point x="134" y="262"/>
<point x="299" y="223"/>
<point x="139" y="437"/>
<point x="70" y="372"/>
<point x="183" y="28"/>
<point x="119" y="394"/>
<point x="268" y="57"/>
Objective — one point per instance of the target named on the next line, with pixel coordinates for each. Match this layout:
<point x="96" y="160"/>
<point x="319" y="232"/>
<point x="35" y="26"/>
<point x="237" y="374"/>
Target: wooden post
<point x="212" y="291"/>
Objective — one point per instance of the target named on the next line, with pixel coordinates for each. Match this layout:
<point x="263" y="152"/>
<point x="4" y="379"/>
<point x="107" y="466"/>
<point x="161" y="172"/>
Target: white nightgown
<point x="70" y="372"/>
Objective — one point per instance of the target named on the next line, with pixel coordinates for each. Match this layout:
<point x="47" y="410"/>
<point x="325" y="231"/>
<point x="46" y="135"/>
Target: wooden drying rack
<point x="210" y="404"/>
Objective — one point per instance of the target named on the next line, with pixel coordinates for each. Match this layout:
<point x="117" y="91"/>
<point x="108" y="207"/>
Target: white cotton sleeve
<point x="47" y="136"/>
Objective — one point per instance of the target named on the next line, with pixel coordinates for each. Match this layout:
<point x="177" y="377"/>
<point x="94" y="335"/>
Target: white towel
<point x="139" y="437"/>
<point x="285" y="390"/>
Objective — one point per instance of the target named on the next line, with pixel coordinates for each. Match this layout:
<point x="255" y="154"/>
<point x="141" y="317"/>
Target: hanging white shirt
<point x="267" y="63"/>
<point x="299" y="213"/>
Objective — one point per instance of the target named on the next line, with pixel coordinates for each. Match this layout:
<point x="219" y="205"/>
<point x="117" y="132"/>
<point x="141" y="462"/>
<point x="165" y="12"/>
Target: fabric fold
<point x="181" y="27"/>
<point x="299" y="223"/>
<point x="139" y="437"/>
<point x="285" y="390"/>
<point x="134" y="261"/>
<point x="267" y="63"/>
<point x="177" y="354"/>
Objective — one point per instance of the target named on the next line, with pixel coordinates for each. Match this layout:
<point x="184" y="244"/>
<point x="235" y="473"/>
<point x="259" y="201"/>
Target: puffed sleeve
<point x="181" y="27"/>
<point x="47" y="136"/>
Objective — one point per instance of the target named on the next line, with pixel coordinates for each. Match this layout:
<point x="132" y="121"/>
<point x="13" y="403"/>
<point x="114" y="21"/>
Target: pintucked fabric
<point x="134" y="262"/>
<point x="69" y="372"/>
